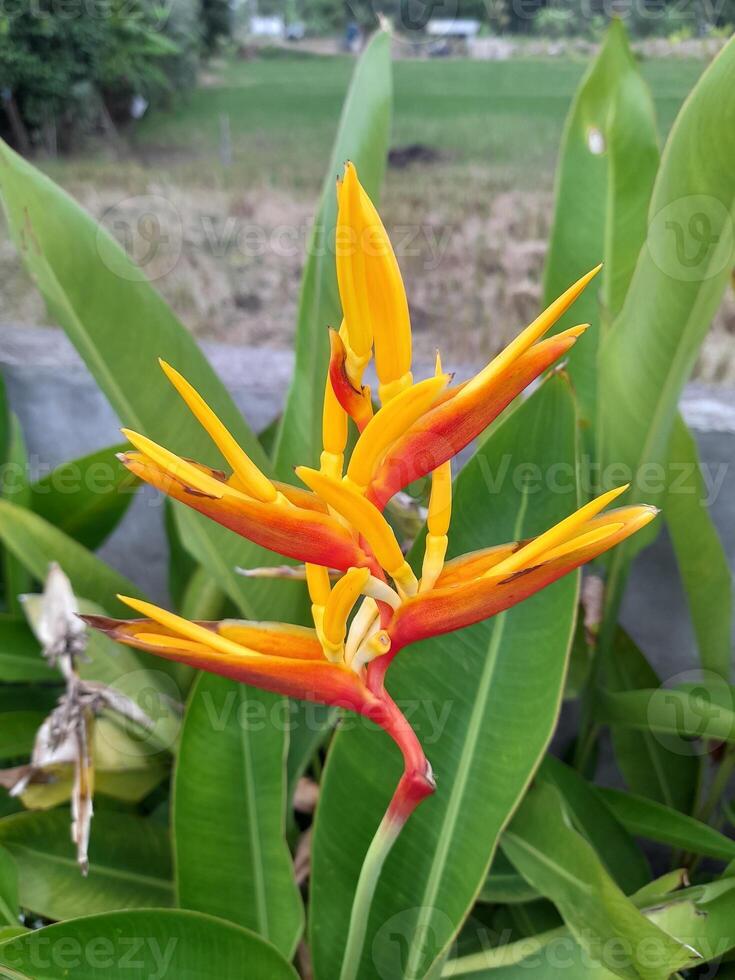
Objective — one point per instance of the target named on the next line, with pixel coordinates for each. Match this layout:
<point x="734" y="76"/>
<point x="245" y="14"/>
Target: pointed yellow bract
<point x="371" y="288"/>
<point x="558" y="535"/>
<point x="181" y="469"/>
<point x="253" y="481"/>
<point x="341" y="600"/>
<point x="367" y="520"/>
<point x="388" y="424"/>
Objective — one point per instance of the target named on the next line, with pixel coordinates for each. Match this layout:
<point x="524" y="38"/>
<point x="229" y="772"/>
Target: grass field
<point x="283" y="111"/>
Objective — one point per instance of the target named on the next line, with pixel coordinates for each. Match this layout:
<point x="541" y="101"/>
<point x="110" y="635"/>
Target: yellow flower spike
<point x="388" y="424"/>
<point x="334" y="433"/>
<point x="341" y="600"/>
<point x="367" y="520"/>
<point x="184" y="471"/>
<point x="255" y="483"/>
<point x="391" y="322"/>
<point x="319" y="587"/>
<point x="184" y="628"/>
<point x="351" y="265"/>
<point x="440" y="512"/>
<point x="583" y="541"/>
<point x="558" y="535"/>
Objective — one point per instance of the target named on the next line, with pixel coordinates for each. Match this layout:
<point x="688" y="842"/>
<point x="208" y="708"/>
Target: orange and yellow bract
<point x="377" y="605"/>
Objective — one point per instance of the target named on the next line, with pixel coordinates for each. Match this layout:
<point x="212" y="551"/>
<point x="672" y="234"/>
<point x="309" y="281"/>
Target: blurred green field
<point x="283" y="112"/>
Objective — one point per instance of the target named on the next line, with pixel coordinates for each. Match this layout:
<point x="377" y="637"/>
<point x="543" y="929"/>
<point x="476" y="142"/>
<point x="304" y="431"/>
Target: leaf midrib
<point x="253" y="829"/>
<point x="159" y="884"/>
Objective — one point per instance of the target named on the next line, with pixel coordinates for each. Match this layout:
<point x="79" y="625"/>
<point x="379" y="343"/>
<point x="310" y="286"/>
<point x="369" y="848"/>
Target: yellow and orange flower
<point x="378" y="604"/>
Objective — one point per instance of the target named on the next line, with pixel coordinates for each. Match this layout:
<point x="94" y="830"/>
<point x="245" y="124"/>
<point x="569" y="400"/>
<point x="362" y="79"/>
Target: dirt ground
<point x="230" y="262"/>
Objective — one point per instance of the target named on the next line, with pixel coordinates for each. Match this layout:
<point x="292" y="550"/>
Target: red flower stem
<point x="415" y="784"/>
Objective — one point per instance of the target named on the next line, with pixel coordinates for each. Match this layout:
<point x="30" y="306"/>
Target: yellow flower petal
<point x="367" y="521"/>
<point x="253" y="481"/>
<point x="182" y="470"/>
<point x="388" y="424"/>
<point x="561" y="533"/>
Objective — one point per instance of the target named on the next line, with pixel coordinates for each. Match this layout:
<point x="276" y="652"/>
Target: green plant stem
<point x="614" y="590"/>
<point x="380" y="846"/>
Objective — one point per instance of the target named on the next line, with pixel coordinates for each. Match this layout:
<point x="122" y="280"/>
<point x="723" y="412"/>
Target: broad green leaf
<point x="130" y="865"/>
<point x="483" y="701"/>
<point x="36" y="544"/>
<point x="16" y="579"/>
<point x="87" y="497"/>
<point x="652" y="765"/>
<point x="20" y="654"/>
<point x="612" y="842"/>
<point x="8" y="889"/>
<point x="644" y="818"/>
<point x="606" y="170"/>
<point x="362" y="137"/>
<point x="677" y="285"/>
<point x="232" y="860"/>
<point x="703" y="564"/>
<point x="562" y="865"/>
<point x="152" y="945"/>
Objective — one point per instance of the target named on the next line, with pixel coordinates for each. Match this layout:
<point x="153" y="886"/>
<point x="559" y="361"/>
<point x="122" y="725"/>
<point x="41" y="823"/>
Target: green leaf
<point x="703" y="565"/>
<point x="613" y="844"/>
<point x="18" y="732"/>
<point x="644" y="818"/>
<point x="652" y="765"/>
<point x="362" y="137"/>
<point x="20" y="654"/>
<point x="700" y="713"/>
<point x="562" y="865"/>
<point x="677" y="285"/>
<point x="607" y="166"/>
<point x="86" y="498"/>
<point x="504" y="886"/>
<point x="36" y="544"/>
<point x="8" y="889"/>
<point x="483" y="701"/>
<point x="232" y="860"/>
<point x="149" y="945"/>
<point x="16" y="579"/>
<point x="130" y="865"/>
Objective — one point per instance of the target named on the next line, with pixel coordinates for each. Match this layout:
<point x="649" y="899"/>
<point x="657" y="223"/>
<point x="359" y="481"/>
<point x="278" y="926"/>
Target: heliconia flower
<point x="377" y="604"/>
